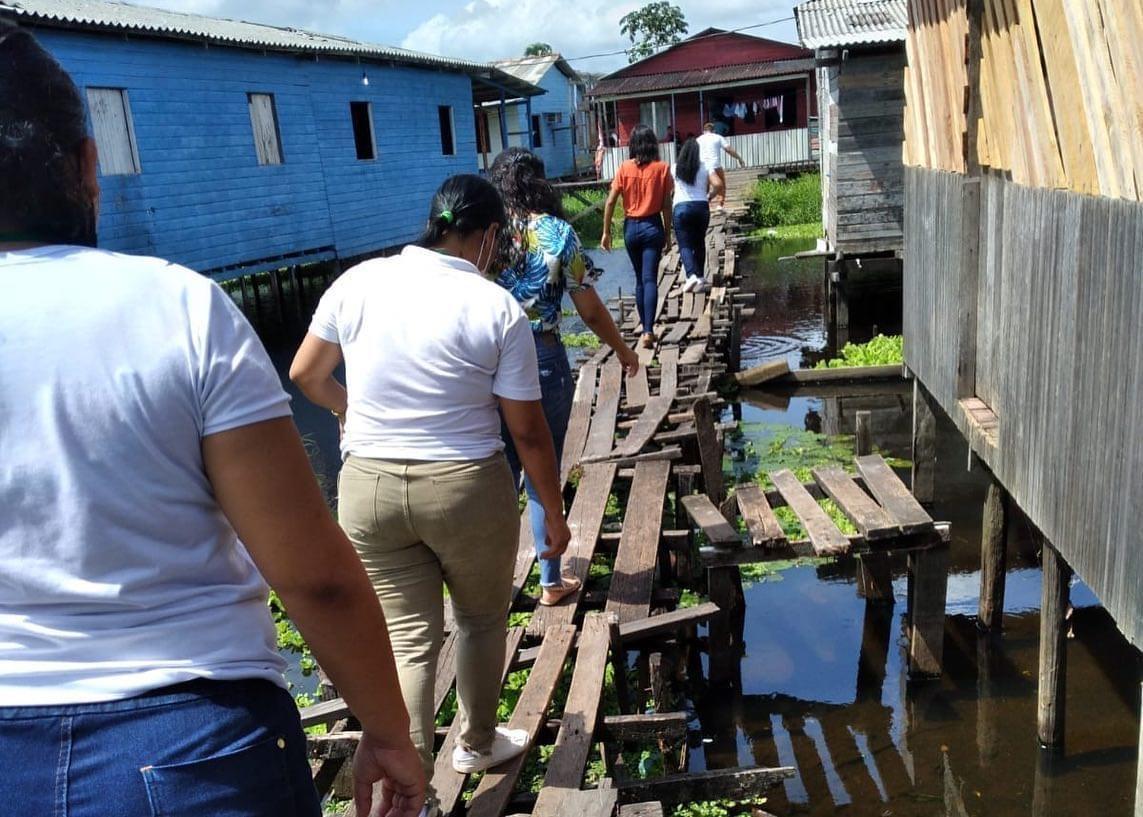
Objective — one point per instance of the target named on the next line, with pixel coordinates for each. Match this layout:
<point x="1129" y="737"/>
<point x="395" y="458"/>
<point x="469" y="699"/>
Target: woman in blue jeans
<point x="544" y="262"/>
<point x="644" y="183"/>
<point x="144" y="430"/>
<point x="691" y="214"/>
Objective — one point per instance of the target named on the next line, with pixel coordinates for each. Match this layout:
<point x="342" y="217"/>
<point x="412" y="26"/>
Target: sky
<point x="492" y="29"/>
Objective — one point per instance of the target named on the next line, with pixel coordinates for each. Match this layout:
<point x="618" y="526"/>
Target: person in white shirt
<point x="711" y="147"/>
<point x="432" y="348"/>
<point x="150" y="477"/>
<point x="691" y="214"/>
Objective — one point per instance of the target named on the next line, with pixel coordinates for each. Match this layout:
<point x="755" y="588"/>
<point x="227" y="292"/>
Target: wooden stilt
<point x="1139" y="773"/>
<point x="924" y="443"/>
<point x="875" y="577"/>
<point x="619" y="666"/>
<point x="257" y="287"/>
<point x="928" y="575"/>
<point x="734" y="341"/>
<point x="724" y="587"/>
<point x="863" y="436"/>
<point x="1053" y="647"/>
<point x="876" y="636"/>
<point x="244" y="298"/>
<point x="993" y="539"/>
<point x="1044" y="783"/>
<point x="276" y="289"/>
<point x="986" y="704"/>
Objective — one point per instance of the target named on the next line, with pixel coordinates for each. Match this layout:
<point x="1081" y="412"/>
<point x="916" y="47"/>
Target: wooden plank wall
<point x="864" y="207"/>
<point x="1061" y="92"/>
<point x="1059" y="359"/>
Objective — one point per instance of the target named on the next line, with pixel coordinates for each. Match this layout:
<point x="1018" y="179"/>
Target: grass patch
<point x="590" y="227"/>
<point x="883" y="350"/>
<point x="798" y="200"/>
<point x="786" y="232"/>
<point x="584" y="340"/>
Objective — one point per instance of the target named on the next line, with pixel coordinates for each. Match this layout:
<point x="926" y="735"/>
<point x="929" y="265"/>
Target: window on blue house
<point x="537" y="132"/>
<point x="264" y="121"/>
<point x="114" y="131"/>
<point x="361" y="114"/>
<point x="448" y="135"/>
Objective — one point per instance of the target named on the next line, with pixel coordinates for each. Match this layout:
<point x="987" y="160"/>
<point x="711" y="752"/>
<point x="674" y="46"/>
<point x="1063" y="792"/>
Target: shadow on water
<point x="823" y="685"/>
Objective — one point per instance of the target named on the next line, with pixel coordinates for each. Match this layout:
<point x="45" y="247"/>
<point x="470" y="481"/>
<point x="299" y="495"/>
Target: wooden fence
<point x="1060" y="89"/>
<point x="773" y="149"/>
<point x="1043" y="325"/>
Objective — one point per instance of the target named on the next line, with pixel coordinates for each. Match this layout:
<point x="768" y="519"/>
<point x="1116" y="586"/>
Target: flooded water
<point x="822" y="684"/>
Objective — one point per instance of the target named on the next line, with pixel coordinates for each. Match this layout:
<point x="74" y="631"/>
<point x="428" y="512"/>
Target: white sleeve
<point x="237" y="383"/>
<point x="517" y="374"/>
<point x="324" y="322"/>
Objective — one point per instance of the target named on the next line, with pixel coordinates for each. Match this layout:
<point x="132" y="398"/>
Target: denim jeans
<point x="691" y="218"/>
<point x="558" y="388"/>
<point x="645" y="238"/>
<point x="218" y="748"/>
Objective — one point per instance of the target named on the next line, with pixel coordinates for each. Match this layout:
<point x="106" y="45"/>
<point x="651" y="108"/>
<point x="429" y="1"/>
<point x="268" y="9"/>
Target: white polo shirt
<point x="429" y="344"/>
<point x="711" y="146"/>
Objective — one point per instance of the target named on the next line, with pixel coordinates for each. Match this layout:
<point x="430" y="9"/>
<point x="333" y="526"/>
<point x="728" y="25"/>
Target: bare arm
<point x="608" y="214"/>
<point x="529" y="430"/>
<point x="733" y="153"/>
<point x="594" y="313"/>
<point x="264" y="484"/>
<point x="312" y="370"/>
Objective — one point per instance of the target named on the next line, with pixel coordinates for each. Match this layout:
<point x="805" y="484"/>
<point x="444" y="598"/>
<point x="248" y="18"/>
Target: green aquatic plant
<point x="585" y="340"/>
<point x="882" y="350"/>
<point x="775" y="202"/>
<point x="719" y="808"/>
<point x="590" y="226"/>
<point x="763" y="572"/>
<point x="787" y="232"/>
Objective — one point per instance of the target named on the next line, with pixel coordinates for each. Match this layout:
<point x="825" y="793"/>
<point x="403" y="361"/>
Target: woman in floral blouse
<point x="546" y="262"/>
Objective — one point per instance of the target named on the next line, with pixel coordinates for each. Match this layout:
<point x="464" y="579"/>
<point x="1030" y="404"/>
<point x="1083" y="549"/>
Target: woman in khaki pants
<point x="432" y="350"/>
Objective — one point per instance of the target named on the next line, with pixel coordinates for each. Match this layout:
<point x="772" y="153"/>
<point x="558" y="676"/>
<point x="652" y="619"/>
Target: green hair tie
<point x="446" y="216"/>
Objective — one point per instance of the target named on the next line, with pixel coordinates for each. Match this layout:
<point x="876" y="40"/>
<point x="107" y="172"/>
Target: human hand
<point x="629" y="361"/>
<point x="605" y="240"/>
<point x="558" y="538"/>
<point x="400" y="773"/>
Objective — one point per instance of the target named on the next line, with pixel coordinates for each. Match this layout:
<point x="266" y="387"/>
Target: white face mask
<point x="483" y="265"/>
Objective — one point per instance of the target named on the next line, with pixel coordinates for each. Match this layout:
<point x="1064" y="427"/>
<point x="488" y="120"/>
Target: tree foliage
<point x="655" y="26"/>
<point x="538" y="50"/>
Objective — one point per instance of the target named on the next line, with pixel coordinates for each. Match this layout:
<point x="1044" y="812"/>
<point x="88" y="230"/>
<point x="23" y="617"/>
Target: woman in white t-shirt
<point x="142" y="431"/>
<point x="691" y="214"/>
<point x="432" y="350"/>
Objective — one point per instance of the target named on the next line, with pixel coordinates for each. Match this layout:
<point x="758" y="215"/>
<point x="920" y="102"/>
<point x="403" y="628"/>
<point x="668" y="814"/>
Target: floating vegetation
<point x="883" y="350"/>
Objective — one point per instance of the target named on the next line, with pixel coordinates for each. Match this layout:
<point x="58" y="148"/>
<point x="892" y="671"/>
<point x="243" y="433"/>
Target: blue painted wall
<point x="203" y="200"/>
<point x="557" y="149"/>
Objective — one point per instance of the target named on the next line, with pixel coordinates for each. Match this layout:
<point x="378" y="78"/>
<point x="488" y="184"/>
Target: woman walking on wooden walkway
<point x="546" y="262"/>
<point x="143" y="431"/>
<point x="644" y="184"/>
<point x="691" y="214"/>
<point x="432" y="349"/>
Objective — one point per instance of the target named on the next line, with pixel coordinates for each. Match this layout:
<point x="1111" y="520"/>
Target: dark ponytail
<point x="462" y="205"/>
<point x="687" y="165"/>
<point x="43" y="125"/>
<point x="519" y="176"/>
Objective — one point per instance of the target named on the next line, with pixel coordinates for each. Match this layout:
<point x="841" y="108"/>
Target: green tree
<point x="538" y="50"/>
<point x="655" y="26"/>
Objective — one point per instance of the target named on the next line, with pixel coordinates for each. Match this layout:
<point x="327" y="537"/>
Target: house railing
<point x="772" y="149"/>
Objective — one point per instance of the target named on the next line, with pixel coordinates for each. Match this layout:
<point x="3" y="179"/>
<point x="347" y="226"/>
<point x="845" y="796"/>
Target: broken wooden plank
<point x="652" y="417"/>
<point x="668" y="725"/>
<point x="710" y="451"/>
<point x="599" y="802"/>
<point x="693" y="354"/>
<point x="676" y="333"/>
<point x="866" y="515"/>
<point x="826" y="538"/>
<point x="713" y="784"/>
<point x="634" y="572"/>
<point x="669" y="371"/>
<point x="495" y="789"/>
<point x="890" y="491"/>
<point x="580" y="418"/>
<point x="763" y="372"/>
<point x="765" y="530"/>
<point x="637" y="391"/>
<point x="649" y="809"/>
<point x="601" y="436"/>
<point x="702" y="511"/>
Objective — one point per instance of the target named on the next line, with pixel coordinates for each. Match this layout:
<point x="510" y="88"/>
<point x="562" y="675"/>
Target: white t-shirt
<point x="429" y="344"/>
<point x="691" y="192"/>
<point x="119" y="573"/>
<point x="711" y="146"/>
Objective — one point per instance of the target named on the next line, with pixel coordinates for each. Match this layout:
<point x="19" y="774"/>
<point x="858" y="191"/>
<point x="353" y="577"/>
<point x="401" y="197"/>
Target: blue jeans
<point x="558" y="388"/>
<point x="218" y="748"/>
<point x="691" y="218"/>
<point x="645" y="238"/>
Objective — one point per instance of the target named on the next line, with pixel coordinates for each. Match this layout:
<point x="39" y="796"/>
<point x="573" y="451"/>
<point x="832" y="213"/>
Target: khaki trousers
<point x="419" y="526"/>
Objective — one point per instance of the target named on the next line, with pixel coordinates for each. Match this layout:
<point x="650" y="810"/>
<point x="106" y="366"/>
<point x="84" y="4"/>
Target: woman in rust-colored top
<point x="645" y="184"/>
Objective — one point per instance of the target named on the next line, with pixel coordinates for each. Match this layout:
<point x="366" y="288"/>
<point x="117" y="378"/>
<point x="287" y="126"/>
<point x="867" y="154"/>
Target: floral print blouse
<point x="549" y="262"/>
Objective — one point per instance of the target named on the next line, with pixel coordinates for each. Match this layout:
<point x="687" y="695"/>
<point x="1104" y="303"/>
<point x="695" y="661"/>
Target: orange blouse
<point x="644" y="189"/>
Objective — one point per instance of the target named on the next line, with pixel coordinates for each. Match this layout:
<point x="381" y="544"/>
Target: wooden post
<point x="276" y="289"/>
<point x="1139" y="772"/>
<point x="724" y="643"/>
<point x="924" y="443"/>
<point x="863" y="437"/>
<point x="875" y="576"/>
<point x="245" y="298"/>
<point x="1044" y="782"/>
<point x="619" y="666"/>
<point x="734" y="341"/>
<point x="986" y="703"/>
<point x="1053" y="646"/>
<point x="710" y="451"/>
<point x="257" y="288"/>
<point x="928" y="587"/>
<point x="993" y="539"/>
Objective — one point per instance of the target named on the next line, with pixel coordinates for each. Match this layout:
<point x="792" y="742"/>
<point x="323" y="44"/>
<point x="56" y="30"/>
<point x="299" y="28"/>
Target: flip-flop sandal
<point x="568" y="586"/>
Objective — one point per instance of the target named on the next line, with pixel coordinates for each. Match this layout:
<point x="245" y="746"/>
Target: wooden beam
<point x="765" y="530"/>
<point x="891" y="493"/>
<point x="1053" y="647"/>
<point x="710" y="451"/>
<point x="634" y="572"/>
<point x="826" y="538"/>
<point x="993" y="561"/>
<point x="670" y="725"/>
<point x="713" y="523"/>
<point x="763" y="372"/>
<point x="866" y="515"/>
<point x="713" y="784"/>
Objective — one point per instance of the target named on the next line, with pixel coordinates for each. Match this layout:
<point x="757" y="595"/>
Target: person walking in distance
<point x="691" y="214"/>
<point x="711" y="147"/>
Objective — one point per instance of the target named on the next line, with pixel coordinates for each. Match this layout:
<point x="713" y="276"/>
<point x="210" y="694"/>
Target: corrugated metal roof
<point x="106" y="15"/>
<point x="698" y="77"/>
<point x="836" y="23"/>
<point x="532" y="69"/>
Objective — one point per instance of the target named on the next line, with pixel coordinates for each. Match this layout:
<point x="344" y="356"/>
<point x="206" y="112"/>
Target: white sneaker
<point x="506" y="744"/>
<point x="692" y="282"/>
<point x="703" y="285"/>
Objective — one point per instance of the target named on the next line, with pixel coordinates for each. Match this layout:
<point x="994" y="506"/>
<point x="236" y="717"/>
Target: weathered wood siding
<point x="865" y="195"/>
<point x="1058" y="300"/>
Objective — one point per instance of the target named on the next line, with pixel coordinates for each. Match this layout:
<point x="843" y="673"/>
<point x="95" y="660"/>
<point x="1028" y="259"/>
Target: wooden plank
<point x="827" y="540"/>
<point x="710" y="452"/>
<point x="600" y="802"/>
<point x="651" y="726"/>
<point x="654" y="626"/>
<point x="650" y="809"/>
<point x="765" y="530"/>
<point x="693" y="354"/>
<point x="763" y="372"/>
<point x="633" y="577"/>
<point x="637" y="391"/>
<point x="871" y="521"/>
<point x="669" y="371"/>
<point x="713" y="784"/>
<point x="495" y="790"/>
<point x="574" y="741"/>
<point x="704" y="514"/>
<point x="446" y="782"/>
<point x="585" y="519"/>
<point x="601" y="436"/>
<point x="890" y="491"/>
<point x="645" y="427"/>
<point x="676" y="333"/>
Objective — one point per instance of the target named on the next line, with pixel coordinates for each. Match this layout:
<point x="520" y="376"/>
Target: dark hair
<point x="519" y="176"/>
<point x="462" y="204"/>
<point x="687" y="164"/>
<point x="42" y="129"/>
<point x="643" y="146"/>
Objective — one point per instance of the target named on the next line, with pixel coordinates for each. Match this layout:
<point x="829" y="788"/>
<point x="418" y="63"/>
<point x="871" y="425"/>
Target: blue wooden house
<point x="552" y="125"/>
<point x="234" y="148"/>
